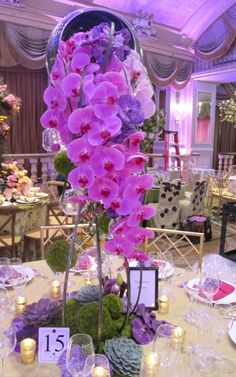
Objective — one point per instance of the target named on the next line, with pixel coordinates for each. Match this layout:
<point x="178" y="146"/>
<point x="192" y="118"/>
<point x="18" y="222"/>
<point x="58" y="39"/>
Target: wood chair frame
<point x="50" y="233"/>
<point x="166" y="235"/>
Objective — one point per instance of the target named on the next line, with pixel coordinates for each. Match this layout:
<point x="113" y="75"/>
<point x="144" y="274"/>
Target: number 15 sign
<point x="52" y="342"/>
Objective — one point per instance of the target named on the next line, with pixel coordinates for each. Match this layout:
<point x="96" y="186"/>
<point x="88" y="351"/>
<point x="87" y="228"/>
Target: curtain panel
<point x="166" y="70"/>
<point x="225" y="139"/>
<point x="22" y="45"/>
<point x="25" y="135"/>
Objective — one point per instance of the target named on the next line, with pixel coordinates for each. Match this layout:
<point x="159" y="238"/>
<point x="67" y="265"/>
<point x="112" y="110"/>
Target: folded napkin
<point x="224" y="290"/>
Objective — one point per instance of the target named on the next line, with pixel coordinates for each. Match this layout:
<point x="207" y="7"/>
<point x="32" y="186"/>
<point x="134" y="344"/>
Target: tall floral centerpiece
<point x="9" y="104"/>
<point x="98" y="97"/>
<point x="227" y="110"/>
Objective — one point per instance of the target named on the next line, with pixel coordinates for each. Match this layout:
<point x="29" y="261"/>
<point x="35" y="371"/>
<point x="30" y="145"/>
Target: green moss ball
<point x="57" y="254"/>
<point x="114" y="305"/>
<point x="88" y="321"/>
<point x="62" y="164"/>
<point x="72" y="309"/>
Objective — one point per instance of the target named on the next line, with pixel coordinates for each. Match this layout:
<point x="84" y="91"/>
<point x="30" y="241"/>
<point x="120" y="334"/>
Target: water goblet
<point x="162" y="344"/>
<point x="209" y="286"/>
<point x="17" y="276"/>
<point x="4" y="270"/>
<point x="79" y="348"/>
<point x="7" y="344"/>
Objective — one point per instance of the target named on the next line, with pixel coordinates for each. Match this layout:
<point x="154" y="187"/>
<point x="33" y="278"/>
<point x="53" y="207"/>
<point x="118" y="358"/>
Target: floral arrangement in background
<point x="13" y="180"/>
<point x="152" y="127"/>
<point x="9" y="104"/>
<point x="227" y="110"/>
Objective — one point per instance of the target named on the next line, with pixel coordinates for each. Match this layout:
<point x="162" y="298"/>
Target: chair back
<point x="179" y="243"/>
<point x="51" y="233"/>
<point x="168" y="206"/>
<point x="8" y="228"/>
<point x="197" y="199"/>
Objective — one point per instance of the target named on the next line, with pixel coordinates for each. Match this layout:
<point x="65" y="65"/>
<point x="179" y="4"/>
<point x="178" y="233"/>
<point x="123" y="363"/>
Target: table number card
<point x="52" y="342"/>
<point x="149" y="286"/>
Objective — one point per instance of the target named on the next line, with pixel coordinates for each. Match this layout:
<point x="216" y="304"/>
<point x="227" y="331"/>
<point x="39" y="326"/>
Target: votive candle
<point x="55" y="289"/>
<point x="99" y="372"/>
<point x="20" y="302"/>
<point x="178" y="335"/>
<point x="163" y="304"/>
<point x="149" y="365"/>
<point x="27" y="350"/>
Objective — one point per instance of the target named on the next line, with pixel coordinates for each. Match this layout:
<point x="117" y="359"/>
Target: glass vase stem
<point x="139" y="288"/>
<point x="70" y="254"/>
<point x="99" y="268"/>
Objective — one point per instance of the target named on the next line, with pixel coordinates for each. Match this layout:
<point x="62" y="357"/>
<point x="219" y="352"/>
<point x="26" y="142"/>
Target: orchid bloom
<point x="119" y="246"/>
<point x="104" y="100"/>
<point x="79" y="151"/>
<point x="81" y="177"/>
<point x="103" y="189"/>
<point x="107" y="160"/>
<point x="54" y="98"/>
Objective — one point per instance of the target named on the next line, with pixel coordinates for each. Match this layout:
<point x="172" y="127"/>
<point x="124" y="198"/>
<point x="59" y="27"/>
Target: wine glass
<point x="79" y="348"/>
<point x="4" y="304"/>
<point x="209" y="286"/>
<point x="162" y="344"/>
<point x="97" y="365"/>
<point x="17" y="275"/>
<point x="4" y="270"/>
<point x="7" y="344"/>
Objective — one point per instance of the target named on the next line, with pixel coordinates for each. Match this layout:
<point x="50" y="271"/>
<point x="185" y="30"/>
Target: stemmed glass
<point x="4" y="304"/>
<point x="97" y="365"/>
<point x="7" y="344"/>
<point x="162" y="344"/>
<point x="209" y="286"/>
<point x="17" y="275"/>
<point x="4" y="270"/>
<point x="79" y="348"/>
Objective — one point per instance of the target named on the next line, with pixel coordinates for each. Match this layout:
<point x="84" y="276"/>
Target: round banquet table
<point x="38" y="287"/>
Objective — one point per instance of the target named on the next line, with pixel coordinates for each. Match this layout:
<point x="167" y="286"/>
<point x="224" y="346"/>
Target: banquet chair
<point x="186" y="247"/>
<point x="54" y="215"/>
<point x="167" y="214"/>
<point x="218" y="192"/>
<point x="50" y="233"/>
<point x="9" y="240"/>
<point x="195" y="203"/>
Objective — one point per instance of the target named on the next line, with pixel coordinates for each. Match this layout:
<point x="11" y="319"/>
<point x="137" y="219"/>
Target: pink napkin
<point x="224" y="290"/>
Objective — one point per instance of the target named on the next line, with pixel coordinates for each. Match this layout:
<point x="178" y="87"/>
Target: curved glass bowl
<point x="83" y="20"/>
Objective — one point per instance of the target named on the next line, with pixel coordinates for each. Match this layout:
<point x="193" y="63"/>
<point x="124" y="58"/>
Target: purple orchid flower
<point x="130" y="110"/>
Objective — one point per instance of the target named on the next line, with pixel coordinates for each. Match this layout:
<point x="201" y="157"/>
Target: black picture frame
<point x="151" y="302"/>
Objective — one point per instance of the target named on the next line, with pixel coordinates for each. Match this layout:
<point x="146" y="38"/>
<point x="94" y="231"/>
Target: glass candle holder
<point x="163" y="304"/>
<point x="178" y="336"/>
<point x="149" y="365"/>
<point x="55" y="289"/>
<point x="27" y="350"/>
<point x="20" y="304"/>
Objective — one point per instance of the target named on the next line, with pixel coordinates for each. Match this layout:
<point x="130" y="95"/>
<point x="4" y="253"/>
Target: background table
<point x="30" y="217"/>
<point x="39" y="287"/>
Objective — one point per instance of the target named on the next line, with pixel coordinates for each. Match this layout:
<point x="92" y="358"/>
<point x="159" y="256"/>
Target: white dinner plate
<point x="232" y="331"/>
<point x="29" y="276"/>
<point x="229" y="299"/>
<point x="41" y="195"/>
<point x="164" y="272"/>
<point x="34" y="200"/>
